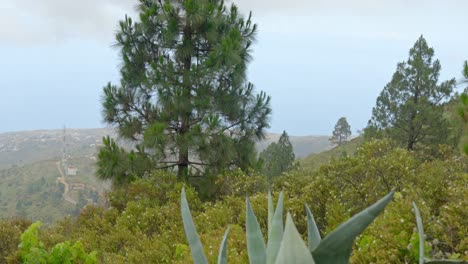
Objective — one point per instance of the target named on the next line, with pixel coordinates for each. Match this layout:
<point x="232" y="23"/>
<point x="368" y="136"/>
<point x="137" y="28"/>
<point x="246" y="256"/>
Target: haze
<point x="319" y="60"/>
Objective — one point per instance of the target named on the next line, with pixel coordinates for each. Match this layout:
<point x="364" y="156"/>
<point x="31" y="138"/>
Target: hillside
<point x="34" y="191"/>
<point x="33" y="165"/>
<point x="314" y="161"/>
<point x="303" y="145"/>
<point x="26" y="147"/>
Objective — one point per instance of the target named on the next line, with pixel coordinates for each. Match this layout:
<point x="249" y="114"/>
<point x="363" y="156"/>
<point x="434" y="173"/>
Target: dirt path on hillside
<point x="66" y="193"/>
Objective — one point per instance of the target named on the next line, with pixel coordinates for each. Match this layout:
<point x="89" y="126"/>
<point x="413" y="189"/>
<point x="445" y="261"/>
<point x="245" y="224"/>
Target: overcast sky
<point x="318" y="59"/>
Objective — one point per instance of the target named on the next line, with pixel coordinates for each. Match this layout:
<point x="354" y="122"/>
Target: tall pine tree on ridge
<point x="183" y="97"/>
<point x="410" y="107"/>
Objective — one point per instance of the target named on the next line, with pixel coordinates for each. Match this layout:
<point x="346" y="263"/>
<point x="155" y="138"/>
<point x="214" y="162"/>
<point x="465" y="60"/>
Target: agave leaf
<point x="422" y="239"/>
<point x="275" y="234"/>
<point x="255" y="243"/>
<point x="419" y="224"/>
<point x="445" y="261"/>
<point x="271" y="211"/>
<point x="313" y="234"/>
<point x="293" y="249"/>
<point x="191" y="232"/>
<point x="336" y="247"/>
<point x="222" y="257"/>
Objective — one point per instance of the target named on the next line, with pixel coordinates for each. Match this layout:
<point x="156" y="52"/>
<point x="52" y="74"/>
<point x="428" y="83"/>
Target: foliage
<point x="114" y="163"/>
<point x="315" y="161"/>
<point x="183" y="97"/>
<point x="240" y="184"/>
<point x="277" y="158"/>
<point x="32" y="250"/>
<point x="32" y="191"/>
<point x="409" y="109"/>
<point x="422" y="245"/>
<point x="341" y="133"/>
<point x="346" y="184"/>
<point x="144" y="223"/>
<point x="287" y="246"/>
<point x="465" y="72"/>
<point x="10" y="233"/>
<point x="463" y="112"/>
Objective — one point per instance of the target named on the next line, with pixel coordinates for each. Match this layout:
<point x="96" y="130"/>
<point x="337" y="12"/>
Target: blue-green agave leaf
<point x="445" y="261"/>
<point x="275" y="234"/>
<point x="191" y="232"/>
<point x="271" y="211"/>
<point x="293" y="249"/>
<point x="313" y="234"/>
<point x="222" y="256"/>
<point x="419" y="224"/>
<point x="422" y="239"/>
<point x="255" y="243"/>
<point x="336" y="247"/>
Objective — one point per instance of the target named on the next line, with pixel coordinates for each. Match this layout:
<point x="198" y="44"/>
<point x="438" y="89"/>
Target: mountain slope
<point x="303" y="145"/>
<point x="314" y="161"/>
<point x="33" y="170"/>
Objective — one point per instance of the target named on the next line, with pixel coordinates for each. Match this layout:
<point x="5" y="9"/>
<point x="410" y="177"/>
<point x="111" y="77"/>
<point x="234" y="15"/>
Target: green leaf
<point x="222" y="257"/>
<point x="336" y="247"/>
<point x="191" y="232"/>
<point x="293" y="249"/>
<point x="275" y="234"/>
<point x="419" y="224"/>
<point x="313" y="234"/>
<point x="255" y="243"/>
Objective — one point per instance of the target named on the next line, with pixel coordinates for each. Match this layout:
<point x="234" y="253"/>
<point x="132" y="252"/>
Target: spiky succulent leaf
<point x="336" y="247"/>
<point x="255" y="243"/>
<point x="222" y="257"/>
<point x="445" y="261"/>
<point x="419" y="224"/>
<point x="293" y="249"/>
<point x="271" y="211"/>
<point x="422" y="239"/>
<point x="191" y="232"/>
<point x="275" y="234"/>
<point x="313" y="234"/>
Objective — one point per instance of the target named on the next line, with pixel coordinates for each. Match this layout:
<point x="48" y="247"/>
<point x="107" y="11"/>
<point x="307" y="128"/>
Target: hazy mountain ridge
<point x="303" y="145"/>
<point x="25" y="147"/>
<point x="32" y="169"/>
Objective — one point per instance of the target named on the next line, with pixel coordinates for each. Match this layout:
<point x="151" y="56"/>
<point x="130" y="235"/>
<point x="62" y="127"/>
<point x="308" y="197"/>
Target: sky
<point x="319" y="60"/>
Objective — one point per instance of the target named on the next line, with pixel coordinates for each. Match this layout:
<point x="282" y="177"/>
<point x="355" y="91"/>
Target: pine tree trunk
<point x="186" y="111"/>
<point x="412" y="130"/>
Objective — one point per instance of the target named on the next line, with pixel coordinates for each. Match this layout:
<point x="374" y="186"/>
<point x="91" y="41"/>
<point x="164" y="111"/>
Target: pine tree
<point x="278" y="157"/>
<point x="183" y="97"/>
<point x="410" y="107"/>
<point x="341" y="133"/>
<point x="463" y="108"/>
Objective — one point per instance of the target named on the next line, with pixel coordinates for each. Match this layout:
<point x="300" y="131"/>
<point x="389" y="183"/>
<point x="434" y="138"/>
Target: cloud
<point x="37" y="21"/>
<point x="29" y="22"/>
<point x="350" y="7"/>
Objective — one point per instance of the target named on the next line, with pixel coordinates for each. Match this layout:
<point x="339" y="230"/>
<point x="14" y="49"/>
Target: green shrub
<point x="32" y="250"/>
<point x="10" y="236"/>
<point x="144" y="222"/>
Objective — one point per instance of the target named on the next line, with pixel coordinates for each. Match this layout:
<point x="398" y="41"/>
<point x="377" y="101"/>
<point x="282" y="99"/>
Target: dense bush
<point x="32" y="250"/>
<point x="10" y="235"/>
<point x="144" y="223"/>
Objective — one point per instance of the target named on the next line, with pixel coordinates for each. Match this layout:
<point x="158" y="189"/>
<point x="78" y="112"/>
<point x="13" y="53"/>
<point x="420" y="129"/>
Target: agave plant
<point x="284" y="244"/>
<point x="422" y="238"/>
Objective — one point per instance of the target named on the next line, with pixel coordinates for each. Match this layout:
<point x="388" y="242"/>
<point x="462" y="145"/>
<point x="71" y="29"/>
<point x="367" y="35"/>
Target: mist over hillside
<point x="34" y="182"/>
<point x="25" y="147"/>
